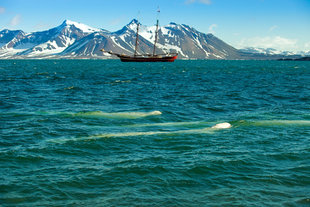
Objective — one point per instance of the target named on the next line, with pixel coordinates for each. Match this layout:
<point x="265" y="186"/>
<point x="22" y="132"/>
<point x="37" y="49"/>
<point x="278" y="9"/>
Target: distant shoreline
<point x="296" y="59"/>
<point x="98" y="58"/>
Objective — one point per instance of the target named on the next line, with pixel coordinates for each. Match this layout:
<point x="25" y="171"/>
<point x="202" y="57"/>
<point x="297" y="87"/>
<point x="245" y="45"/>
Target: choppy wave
<point x="121" y="152"/>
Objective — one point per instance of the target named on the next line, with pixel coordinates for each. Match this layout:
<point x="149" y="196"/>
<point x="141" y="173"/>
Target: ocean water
<point x="107" y="133"/>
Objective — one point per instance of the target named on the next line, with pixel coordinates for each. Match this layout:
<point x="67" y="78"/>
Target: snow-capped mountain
<point x="267" y="51"/>
<point x="274" y="52"/>
<point x="304" y="53"/>
<point x="77" y="40"/>
<point x="186" y="41"/>
<point x="44" y="43"/>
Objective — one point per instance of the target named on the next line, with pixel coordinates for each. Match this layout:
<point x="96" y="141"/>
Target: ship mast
<point x="137" y="39"/>
<point x="156" y="33"/>
<point x="156" y="36"/>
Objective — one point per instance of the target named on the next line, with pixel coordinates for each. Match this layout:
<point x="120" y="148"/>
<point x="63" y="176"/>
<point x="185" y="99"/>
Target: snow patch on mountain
<point x="148" y="33"/>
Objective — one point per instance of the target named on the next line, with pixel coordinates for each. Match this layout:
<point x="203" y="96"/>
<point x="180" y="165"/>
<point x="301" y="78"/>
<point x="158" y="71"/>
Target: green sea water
<point x="107" y="133"/>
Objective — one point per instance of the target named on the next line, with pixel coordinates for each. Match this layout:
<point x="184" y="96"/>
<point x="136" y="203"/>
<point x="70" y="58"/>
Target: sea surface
<point x="107" y="133"/>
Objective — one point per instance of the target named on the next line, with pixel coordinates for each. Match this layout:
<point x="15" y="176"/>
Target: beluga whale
<point x="224" y="125"/>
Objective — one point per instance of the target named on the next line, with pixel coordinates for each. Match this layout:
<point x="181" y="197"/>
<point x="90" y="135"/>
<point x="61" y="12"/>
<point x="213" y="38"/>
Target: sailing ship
<point x="168" y="57"/>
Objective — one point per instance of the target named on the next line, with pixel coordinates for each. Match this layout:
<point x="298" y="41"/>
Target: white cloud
<point x="277" y="42"/>
<point x="198" y="1"/>
<point x="211" y="28"/>
<point x="2" y="10"/>
<point x="15" y="20"/>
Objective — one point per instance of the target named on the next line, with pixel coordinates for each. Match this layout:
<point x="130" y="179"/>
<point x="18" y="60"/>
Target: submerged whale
<point x="207" y="130"/>
<point x="117" y="115"/>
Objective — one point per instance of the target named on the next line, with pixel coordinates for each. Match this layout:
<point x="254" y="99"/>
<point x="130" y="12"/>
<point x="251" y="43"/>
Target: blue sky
<point x="281" y="24"/>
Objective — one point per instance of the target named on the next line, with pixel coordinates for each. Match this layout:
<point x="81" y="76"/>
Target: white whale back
<point x="224" y="125"/>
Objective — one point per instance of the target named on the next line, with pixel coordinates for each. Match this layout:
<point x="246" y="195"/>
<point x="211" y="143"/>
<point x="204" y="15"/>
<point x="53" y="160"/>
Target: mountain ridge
<point x="77" y="40"/>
